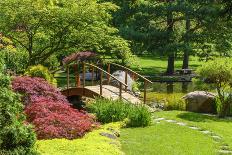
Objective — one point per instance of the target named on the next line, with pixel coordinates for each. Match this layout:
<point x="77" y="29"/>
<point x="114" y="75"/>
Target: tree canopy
<point x="43" y="28"/>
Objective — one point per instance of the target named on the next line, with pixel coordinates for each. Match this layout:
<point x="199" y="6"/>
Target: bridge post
<point x="101" y="74"/>
<point x="83" y="74"/>
<point x="77" y="75"/>
<point x="126" y="73"/>
<point x="92" y="75"/>
<point x="120" y="91"/>
<point x="67" y="77"/>
<point x="108" y="76"/>
<point x="145" y="92"/>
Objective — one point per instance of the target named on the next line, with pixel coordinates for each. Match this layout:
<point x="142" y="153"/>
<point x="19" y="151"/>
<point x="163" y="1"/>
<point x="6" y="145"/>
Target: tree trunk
<point x="171" y="64"/>
<point x="186" y="40"/>
<point x="171" y="56"/>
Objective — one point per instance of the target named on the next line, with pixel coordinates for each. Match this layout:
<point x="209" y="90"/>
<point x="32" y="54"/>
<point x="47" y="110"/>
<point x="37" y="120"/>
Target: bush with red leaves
<point x="34" y="88"/>
<point x="58" y="120"/>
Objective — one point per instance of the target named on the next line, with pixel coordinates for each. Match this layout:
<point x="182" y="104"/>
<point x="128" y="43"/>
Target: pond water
<point x="173" y="87"/>
<point x="178" y="87"/>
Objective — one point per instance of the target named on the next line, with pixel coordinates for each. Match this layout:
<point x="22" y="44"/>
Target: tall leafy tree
<point x="43" y="28"/>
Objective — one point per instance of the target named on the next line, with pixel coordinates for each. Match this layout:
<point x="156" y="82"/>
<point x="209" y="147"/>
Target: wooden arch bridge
<point x="103" y="88"/>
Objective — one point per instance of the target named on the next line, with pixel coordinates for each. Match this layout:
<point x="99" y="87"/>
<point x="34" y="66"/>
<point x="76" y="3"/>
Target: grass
<point x="165" y="139"/>
<point x="151" y="65"/>
<point x="222" y="127"/>
<point x="92" y="144"/>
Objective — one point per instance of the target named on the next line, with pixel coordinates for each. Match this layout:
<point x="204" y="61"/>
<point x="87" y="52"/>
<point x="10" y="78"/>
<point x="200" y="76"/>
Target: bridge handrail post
<point x="92" y="74"/>
<point x="120" y="91"/>
<point x="101" y="74"/>
<point x="108" y="76"/>
<point x="68" y="79"/>
<point x="83" y="75"/>
<point x="126" y="73"/>
<point x="145" y="92"/>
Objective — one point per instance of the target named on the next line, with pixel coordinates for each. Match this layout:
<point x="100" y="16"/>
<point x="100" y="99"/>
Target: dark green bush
<point x="16" y="137"/>
<point x="112" y="111"/>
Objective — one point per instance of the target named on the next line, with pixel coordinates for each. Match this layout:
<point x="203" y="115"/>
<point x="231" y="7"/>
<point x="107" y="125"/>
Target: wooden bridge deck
<point x="108" y="92"/>
<point x="111" y="92"/>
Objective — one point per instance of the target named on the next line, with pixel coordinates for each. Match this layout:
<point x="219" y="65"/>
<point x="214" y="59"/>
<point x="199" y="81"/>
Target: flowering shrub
<point x="34" y="88"/>
<point x="57" y="120"/>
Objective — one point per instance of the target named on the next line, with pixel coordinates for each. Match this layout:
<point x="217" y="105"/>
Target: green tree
<point x="167" y="27"/>
<point x="219" y="73"/>
<point x="42" y="28"/>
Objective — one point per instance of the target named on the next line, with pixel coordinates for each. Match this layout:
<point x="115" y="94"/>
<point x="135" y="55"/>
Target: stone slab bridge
<point x="103" y="88"/>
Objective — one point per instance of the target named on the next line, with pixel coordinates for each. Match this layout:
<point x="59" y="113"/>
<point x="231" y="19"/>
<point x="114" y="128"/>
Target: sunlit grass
<point x="166" y="139"/>
<point x="151" y="65"/>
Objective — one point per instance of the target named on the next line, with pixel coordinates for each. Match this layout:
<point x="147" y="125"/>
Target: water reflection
<point x="173" y="87"/>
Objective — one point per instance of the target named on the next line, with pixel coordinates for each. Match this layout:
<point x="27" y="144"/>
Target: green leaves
<point x="44" y="28"/>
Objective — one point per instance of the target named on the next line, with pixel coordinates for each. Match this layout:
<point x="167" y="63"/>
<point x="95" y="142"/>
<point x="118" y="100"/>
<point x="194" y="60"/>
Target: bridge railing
<point x="93" y="68"/>
<point x="134" y="75"/>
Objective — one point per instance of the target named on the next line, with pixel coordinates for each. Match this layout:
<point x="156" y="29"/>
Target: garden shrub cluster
<point x="16" y="136"/>
<point x="58" y="120"/>
<point x="42" y="72"/>
<point x="49" y="111"/>
<point x="112" y="111"/>
<point x="34" y="88"/>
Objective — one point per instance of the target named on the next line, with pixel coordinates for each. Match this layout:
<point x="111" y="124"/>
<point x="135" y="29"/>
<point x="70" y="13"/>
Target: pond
<point x="173" y="87"/>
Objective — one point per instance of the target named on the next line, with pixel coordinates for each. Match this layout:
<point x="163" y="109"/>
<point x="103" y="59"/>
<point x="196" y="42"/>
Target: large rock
<point x="121" y="76"/>
<point x="200" y="101"/>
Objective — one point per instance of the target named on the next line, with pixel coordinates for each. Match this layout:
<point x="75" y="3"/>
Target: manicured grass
<point x="91" y="144"/>
<point x="222" y="127"/>
<point x="166" y="139"/>
<point x="150" y="65"/>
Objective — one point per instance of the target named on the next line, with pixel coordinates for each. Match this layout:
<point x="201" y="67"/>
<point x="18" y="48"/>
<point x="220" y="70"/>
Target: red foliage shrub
<point x="34" y="88"/>
<point x="80" y="56"/>
<point x="58" y="120"/>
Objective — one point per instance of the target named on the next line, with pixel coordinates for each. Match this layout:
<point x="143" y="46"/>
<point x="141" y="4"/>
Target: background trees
<point x="46" y="28"/>
<point x="175" y="28"/>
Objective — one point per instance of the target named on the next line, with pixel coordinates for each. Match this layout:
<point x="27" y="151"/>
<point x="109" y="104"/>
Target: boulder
<point x="121" y="76"/>
<point x="200" y="101"/>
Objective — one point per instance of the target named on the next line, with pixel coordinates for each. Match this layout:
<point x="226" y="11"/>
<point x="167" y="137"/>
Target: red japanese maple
<point x="58" y="120"/>
<point x="34" y="88"/>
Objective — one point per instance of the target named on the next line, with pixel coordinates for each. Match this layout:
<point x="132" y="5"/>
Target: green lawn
<point x="166" y="139"/>
<point x="171" y="139"/>
<point x="155" y="65"/>
<point x="222" y="127"/>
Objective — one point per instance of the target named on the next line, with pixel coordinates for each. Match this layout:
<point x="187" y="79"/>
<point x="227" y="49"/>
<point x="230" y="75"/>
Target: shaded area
<point x="195" y="117"/>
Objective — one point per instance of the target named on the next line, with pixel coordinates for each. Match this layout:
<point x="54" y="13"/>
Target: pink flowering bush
<point x="33" y="88"/>
<point x="57" y="120"/>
